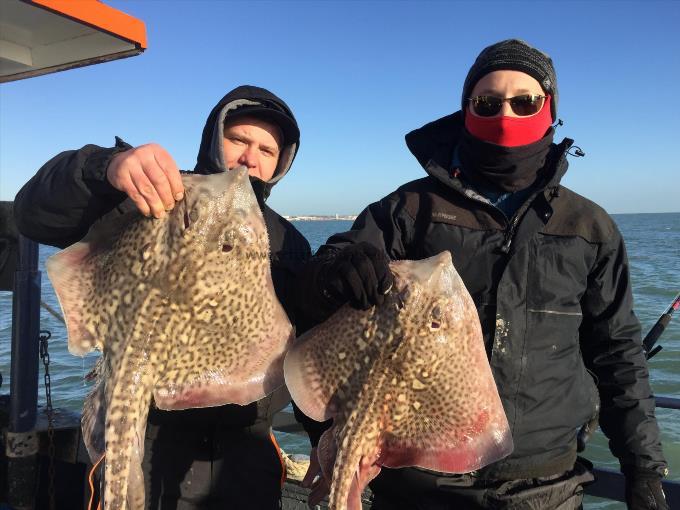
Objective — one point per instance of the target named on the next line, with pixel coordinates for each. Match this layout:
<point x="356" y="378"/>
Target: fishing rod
<point x="659" y="327"/>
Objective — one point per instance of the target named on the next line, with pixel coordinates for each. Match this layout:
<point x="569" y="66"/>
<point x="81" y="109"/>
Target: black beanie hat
<point x="516" y="55"/>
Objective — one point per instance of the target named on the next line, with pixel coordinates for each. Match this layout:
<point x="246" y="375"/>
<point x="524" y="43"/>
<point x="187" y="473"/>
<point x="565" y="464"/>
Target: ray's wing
<point x="79" y="273"/>
<point x="444" y="412"/>
<point x="215" y="367"/>
<point x="328" y="364"/>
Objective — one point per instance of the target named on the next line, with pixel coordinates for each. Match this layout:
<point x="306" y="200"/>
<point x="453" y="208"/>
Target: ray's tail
<point x="128" y="406"/>
<point x="347" y="485"/>
<point x="344" y="475"/>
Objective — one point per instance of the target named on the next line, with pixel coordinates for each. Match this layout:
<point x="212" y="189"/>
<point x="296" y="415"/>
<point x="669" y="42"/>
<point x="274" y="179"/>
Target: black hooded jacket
<point x="70" y="192"/>
<point x="552" y="290"/>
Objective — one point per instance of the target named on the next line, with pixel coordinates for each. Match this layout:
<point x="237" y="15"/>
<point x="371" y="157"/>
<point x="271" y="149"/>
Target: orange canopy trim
<point x="39" y="37"/>
<point x="99" y="15"/>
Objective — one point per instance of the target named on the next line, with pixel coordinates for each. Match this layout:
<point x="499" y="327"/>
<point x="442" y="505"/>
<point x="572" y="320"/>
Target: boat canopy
<point x="44" y="36"/>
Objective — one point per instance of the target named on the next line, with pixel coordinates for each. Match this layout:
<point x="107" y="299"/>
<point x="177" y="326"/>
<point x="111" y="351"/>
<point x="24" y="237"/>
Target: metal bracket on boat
<point x="21" y="444"/>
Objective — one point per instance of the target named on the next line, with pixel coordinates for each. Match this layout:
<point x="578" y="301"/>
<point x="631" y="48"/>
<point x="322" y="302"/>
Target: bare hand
<point x="321" y="487"/>
<point x="149" y="176"/>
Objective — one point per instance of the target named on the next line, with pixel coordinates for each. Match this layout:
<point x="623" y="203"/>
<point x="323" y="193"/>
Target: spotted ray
<point x="407" y="383"/>
<point x="183" y="310"/>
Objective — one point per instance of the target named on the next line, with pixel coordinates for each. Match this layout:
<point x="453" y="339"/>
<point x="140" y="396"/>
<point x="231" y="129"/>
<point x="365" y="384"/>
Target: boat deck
<point x="72" y="465"/>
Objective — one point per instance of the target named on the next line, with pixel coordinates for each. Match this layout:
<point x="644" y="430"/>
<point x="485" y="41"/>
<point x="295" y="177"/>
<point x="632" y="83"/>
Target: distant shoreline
<point x="335" y="217"/>
<point x="352" y="217"/>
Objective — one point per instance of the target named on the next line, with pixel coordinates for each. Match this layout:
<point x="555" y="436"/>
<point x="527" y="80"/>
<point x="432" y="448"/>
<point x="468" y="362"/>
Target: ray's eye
<point x="226" y="248"/>
<point x="146" y="251"/>
<point x="436" y="317"/>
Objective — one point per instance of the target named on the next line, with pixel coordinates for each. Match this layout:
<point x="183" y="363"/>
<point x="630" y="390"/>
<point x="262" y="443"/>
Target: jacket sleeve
<point x="69" y="193"/>
<point x="384" y="224"/>
<point x="612" y="350"/>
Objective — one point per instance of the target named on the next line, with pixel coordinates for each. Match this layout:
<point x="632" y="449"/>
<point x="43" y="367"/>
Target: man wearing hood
<point x="548" y="272"/>
<point x="219" y="457"/>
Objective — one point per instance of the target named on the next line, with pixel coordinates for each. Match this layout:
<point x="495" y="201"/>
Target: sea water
<point x="653" y="244"/>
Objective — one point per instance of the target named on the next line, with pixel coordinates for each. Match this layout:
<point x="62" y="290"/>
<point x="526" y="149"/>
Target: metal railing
<point x="609" y="483"/>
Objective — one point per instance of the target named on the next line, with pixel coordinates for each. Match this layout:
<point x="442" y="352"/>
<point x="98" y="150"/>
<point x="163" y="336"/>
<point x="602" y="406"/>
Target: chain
<point x="45" y="356"/>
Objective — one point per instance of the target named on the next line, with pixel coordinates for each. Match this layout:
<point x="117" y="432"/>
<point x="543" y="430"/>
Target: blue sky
<point x="359" y="76"/>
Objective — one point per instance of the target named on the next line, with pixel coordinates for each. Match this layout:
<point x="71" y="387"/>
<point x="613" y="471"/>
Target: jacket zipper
<point x="510" y="233"/>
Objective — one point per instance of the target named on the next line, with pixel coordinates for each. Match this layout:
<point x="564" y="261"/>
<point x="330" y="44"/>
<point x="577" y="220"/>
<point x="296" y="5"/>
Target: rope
<point x="52" y="311"/>
<point x="296" y="467"/>
<point x="89" y="479"/>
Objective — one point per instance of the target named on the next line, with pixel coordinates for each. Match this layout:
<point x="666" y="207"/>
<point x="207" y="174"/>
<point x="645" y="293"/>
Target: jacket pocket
<point x="559" y="274"/>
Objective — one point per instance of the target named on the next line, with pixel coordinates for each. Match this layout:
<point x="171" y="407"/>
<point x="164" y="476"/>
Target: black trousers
<point x="411" y="489"/>
<point x="223" y="468"/>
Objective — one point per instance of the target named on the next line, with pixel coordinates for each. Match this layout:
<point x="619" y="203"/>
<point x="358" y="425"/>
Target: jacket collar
<point x="434" y="144"/>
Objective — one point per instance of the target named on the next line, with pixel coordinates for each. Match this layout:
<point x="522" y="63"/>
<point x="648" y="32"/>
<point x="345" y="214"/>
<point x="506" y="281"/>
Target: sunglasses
<point x="524" y="105"/>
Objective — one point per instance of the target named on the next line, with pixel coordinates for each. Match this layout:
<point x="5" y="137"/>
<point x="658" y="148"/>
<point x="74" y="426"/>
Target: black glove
<point x="643" y="490"/>
<point x="358" y="274"/>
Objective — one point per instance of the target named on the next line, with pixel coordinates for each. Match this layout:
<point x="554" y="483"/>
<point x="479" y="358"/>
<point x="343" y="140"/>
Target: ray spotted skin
<point x="407" y="383"/>
<point x="184" y="312"/>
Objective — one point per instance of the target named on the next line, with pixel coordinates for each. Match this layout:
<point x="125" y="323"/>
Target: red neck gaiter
<point x="510" y="131"/>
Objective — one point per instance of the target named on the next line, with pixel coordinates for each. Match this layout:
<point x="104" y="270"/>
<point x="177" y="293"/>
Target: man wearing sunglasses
<point x="548" y="272"/>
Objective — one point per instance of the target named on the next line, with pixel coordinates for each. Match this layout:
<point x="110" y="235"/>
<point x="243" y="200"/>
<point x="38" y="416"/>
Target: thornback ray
<point x="407" y="383"/>
<point x="184" y="312"/>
